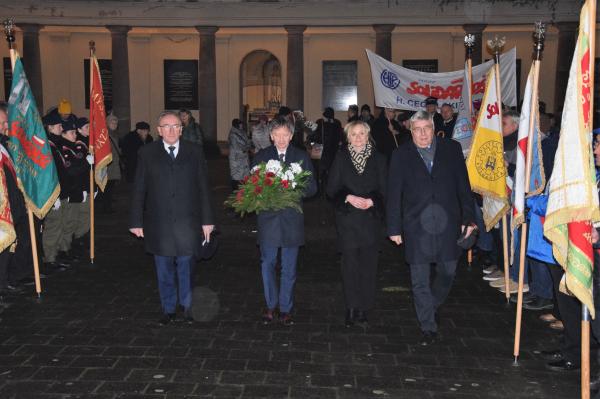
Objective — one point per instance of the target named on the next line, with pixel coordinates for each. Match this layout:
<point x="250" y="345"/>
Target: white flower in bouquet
<point x="254" y="168"/>
<point x="274" y="166"/>
<point x="296" y="168"/>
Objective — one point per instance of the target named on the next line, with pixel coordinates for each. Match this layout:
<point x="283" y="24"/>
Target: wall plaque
<point x="181" y="84"/>
<point x="339" y="84"/>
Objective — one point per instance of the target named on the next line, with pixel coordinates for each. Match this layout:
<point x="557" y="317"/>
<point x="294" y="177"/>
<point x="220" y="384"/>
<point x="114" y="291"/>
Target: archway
<point x="260" y="85"/>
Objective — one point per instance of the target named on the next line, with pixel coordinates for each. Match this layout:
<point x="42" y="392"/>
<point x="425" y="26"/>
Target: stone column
<point x="567" y="37"/>
<point x="383" y="40"/>
<point x="477" y="31"/>
<point x="295" y="67"/>
<point x="120" y="77"/>
<point x="33" y="61"/>
<point x="207" y="81"/>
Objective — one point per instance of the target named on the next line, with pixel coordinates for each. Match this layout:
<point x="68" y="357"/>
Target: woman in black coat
<point x="357" y="183"/>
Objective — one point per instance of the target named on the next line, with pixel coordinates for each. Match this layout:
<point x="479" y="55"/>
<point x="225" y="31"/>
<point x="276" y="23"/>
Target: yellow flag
<point x="485" y="163"/>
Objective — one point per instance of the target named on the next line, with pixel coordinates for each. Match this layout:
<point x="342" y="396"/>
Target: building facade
<point x="252" y="56"/>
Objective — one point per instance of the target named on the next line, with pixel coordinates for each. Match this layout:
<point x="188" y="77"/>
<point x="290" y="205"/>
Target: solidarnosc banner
<point x="403" y="88"/>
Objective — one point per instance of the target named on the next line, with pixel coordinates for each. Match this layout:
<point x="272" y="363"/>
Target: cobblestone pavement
<point x="94" y="333"/>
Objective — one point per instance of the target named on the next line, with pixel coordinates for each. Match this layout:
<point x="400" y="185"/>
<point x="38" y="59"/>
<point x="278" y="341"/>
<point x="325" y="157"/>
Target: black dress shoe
<point x="286" y="319"/>
<point x="166" y="319"/>
<point x="554" y="355"/>
<point x="188" y="317"/>
<point x="595" y="383"/>
<point x="429" y="338"/>
<point x="562" y="365"/>
<point x="361" y="317"/>
<point x="349" y="318"/>
<point x="268" y="316"/>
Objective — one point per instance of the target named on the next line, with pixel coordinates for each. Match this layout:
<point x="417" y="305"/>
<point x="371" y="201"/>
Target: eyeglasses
<point x="169" y="127"/>
<point x="421" y="130"/>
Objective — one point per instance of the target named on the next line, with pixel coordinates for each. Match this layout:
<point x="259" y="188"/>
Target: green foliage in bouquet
<point x="270" y="186"/>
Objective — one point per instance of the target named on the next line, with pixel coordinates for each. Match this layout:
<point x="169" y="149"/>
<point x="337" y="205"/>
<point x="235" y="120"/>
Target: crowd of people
<point x="408" y="161"/>
<point x="397" y="174"/>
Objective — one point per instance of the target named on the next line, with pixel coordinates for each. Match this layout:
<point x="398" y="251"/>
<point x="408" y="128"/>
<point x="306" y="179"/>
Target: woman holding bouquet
<point x="357" y="184"/>
<point x="284" y="228"/>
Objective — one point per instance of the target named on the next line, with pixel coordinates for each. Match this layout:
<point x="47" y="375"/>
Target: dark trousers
<point x="174" y="275"/>
<point x="429" y="295"/>
<point x="570" y="313"/>
<point x="359" y="272"/>
<point x="4" y="262"/>
<point x="105" y="198"/>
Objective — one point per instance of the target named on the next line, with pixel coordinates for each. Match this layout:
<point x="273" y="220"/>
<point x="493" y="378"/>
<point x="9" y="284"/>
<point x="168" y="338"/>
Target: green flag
<point x="29" y="148"/>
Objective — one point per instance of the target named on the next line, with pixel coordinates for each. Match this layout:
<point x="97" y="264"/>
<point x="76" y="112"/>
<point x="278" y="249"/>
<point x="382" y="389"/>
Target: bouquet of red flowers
<point x="270" y="186"/>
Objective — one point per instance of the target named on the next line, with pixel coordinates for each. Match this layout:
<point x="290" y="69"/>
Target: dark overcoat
<point x="428" y="209"/>
<point x="171" y="199"/>
<point x="284" y="228"/>
<point x="357" y="227"/>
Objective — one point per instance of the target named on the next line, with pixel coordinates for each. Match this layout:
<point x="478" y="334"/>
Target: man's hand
<point x="207" y="229"/>
<point x="469" y="230"/>
<point x="137" y="231"/>
<point x="396" y="239"/>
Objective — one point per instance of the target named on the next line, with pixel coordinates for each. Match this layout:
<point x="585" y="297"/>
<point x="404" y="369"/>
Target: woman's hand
<point x="359" y="202"/>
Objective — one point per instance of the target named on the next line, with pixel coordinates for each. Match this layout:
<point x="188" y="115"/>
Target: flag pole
<point x="496" y="45"/>
<point x="538" y="48"/>
<point x="10" y="38"/>
<point x="469" y="44"/>
<point x="585" y="314"/>
<point x="91" y="152"/>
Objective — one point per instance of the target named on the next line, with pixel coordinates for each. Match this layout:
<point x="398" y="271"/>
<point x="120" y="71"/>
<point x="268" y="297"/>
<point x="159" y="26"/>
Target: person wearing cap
<point x="65" y="111"/>
<point x="171" y="209"/>
<point x="76" y="187"/>
<point x="366" y="116"/>
<point x="260" y="133"/>
<point x="431" y="106"/>
<point x="53" y="240"/>
<point x="239" y="145"/>
<point x="82" y="213"/>
<point x="130" y="146"/>
<point x="429" y="207"/>
<point x="328" y="135"/>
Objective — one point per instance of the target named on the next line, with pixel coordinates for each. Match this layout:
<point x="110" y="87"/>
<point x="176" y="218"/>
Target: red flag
<point x="99" y="140"/>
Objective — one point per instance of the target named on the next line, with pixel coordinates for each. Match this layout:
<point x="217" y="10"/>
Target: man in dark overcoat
<point x="429" y="204"/>
<point x="171" y="209"/>
<point x="281" y="229"/>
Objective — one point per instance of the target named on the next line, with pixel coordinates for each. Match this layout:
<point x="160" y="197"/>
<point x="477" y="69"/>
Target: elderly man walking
<point x="429" y="204"/>
<point x="283" y="229"/>
<point x="171" y="209"/>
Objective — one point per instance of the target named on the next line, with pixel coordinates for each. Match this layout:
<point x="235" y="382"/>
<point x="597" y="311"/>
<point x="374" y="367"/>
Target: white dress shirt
<point x="175" y="151"/>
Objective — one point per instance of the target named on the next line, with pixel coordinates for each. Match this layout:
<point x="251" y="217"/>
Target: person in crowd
<point x="431" y="106"/>
<point x="83" y="130"/>
<point x="53" y="237"/>
<point x="114" y="168"/>
<point x="281" y="230"/>
<point x="13" y="259"/>
<point x="131" y="144"/>
<point x="239" y="145"/>
<point x="510" y="134"/>
<point x="260" y="133"/>
<point x="357" y="183"/>
<point x="386" y="131"/>
<point x="327" y="135"/>
<point x="366" y="116"/>
<point x="299" y="120"/>
<point x="65" y="111"/>
<point x="77" y="165"/>
<point x="171" y="209"/>
<point x="192" y="131"/>
<point x="81" y="234"/>
<point x="428" y="184"/>
<point x="446" y="127"/>
<point x="352" y="113"/>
